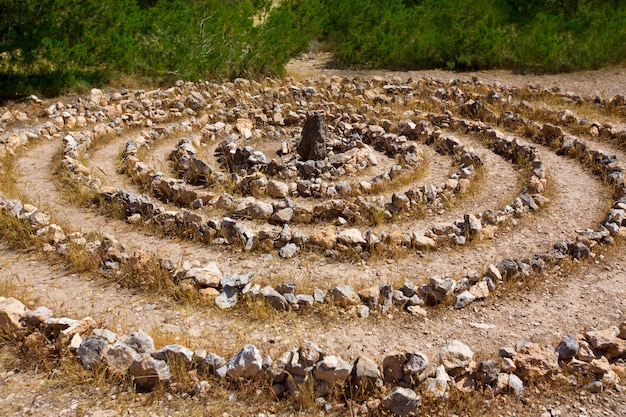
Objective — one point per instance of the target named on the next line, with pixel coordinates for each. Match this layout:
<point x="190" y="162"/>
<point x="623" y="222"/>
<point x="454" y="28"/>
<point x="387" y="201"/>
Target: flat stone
<point x="370" y="295"/>
<point x="423" y="242"/>
<point x="603" y="339"/>
<point x="283" y="215"/>
<point x="507" y="352"/>
<point x="350" y="237"/>
<point x="325" y="238"/>
<point x="209" y="293"/>
<point x="417" y="311"/>
<point x="106" y="334"/>
<point x="286" y="288"/>
<point x="260" y="210"/>
<point x="207" y="276"/>
<point x="237" y="281"/>
<point x="38" y="316"/>
<point x="536" y="361"/>
<point x="402" y="402"/>
<point x="147" y="372"/>
<point x="600" y="367"/>
<point x="333" y="370"/>
<point x="59" y="323"/>
<point x="305" y="300"/>
<point x="175" y="354"/>
<point x="84" y="326"/>
<point x="119" y="356"/>
<point x="482" y="326"/>
<point x="480" y="290"/>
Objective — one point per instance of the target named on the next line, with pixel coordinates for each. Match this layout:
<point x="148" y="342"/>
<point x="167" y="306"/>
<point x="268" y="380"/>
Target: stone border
<point x="437" y="290"/>
<point x="232" y="231"/>
<point x="176" y="191"/>
<point x="309" y="370"/>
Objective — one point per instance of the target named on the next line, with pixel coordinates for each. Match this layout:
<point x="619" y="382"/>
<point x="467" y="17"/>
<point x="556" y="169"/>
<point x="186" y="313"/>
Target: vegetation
<point x="48" y="45"/>
<point x="553" y="35"/>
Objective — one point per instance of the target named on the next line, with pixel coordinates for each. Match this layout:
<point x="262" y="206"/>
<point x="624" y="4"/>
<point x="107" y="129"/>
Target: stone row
<point x="524" y="268"/>
<point x="307" y="177"/>
<point x="574" y="250"/>
<point x="142" y="108"/>
<point x="432" y="197"/>
<point x="228" y="231"/>
<point x="407" y="375"/>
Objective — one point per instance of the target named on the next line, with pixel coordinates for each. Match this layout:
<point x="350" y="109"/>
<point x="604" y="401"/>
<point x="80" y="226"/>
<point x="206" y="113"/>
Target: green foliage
<point x="49" y="45"/>
<point x="553" y="35"/>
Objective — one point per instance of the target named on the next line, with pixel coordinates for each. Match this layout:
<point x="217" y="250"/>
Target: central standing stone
<point x="313" y="144"/>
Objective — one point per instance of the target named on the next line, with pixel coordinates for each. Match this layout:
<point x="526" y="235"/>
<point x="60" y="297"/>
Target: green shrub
<point x="49" y="45"/>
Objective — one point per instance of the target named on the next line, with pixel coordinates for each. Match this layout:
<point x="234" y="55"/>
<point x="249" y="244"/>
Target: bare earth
<point x="588" y="295"/>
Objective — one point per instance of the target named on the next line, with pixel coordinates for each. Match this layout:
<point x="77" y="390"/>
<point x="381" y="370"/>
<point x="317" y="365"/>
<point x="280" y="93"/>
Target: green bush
<point x="48" y="45"/>
<point x="545" y="36"/>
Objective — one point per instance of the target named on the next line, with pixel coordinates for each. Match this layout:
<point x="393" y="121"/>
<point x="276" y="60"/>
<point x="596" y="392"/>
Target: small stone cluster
<point x="397" y="384"/>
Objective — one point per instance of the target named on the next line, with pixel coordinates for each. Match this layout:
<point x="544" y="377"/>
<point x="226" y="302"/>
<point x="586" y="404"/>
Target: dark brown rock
<point x="313" y="143"/>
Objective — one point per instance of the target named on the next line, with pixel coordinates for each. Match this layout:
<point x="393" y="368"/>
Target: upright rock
<point x="245" y="364"/>
<point x="91" y="350"/>
<point x="313" y="144"/>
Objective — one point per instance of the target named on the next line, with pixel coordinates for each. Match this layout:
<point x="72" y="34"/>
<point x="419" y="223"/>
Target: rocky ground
<point x="581" y="294"/>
